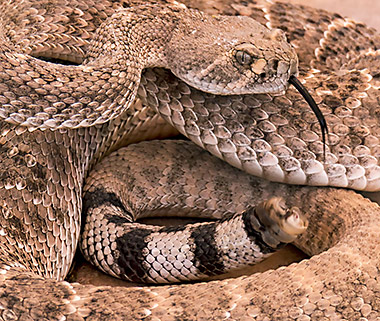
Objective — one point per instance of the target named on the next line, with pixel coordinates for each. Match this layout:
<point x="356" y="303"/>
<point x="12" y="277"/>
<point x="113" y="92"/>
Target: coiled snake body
<point x="57" y="121"/>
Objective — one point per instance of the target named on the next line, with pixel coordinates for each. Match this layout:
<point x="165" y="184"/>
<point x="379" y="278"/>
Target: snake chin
<point x="240" y="86"/>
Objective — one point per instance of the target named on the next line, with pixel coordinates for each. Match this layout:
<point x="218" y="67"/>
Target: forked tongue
<point x="310" y="100"/>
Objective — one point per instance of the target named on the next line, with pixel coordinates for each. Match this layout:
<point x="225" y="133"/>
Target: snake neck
<point x="135" y="37"/>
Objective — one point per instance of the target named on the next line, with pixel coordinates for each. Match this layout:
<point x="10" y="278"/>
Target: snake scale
<point x="52" y="132"/>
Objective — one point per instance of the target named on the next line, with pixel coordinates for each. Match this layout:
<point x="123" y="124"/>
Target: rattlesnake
<point x="41" y="205"/>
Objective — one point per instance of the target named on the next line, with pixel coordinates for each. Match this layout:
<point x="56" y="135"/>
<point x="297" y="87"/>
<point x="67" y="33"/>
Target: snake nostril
<point x="263" y="75"/>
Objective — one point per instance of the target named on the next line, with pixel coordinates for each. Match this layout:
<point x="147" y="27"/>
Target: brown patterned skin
<point x="38" y="96"/>
<point x="41" y="206"/>
<point x="127" y="186"/>
<point x="106" y="81"/>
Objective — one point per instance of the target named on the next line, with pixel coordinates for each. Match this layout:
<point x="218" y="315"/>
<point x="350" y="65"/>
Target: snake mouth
<point x="293" y="80"/>
<point x="275" y="86"/>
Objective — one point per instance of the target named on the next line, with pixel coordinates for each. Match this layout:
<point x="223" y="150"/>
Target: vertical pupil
<point x="243" y="58"/>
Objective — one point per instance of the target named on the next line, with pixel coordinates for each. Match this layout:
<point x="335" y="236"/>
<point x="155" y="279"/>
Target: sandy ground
<point x="367" y="11"/>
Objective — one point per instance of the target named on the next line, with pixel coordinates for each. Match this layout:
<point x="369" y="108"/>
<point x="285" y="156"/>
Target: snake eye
<point x="243" y="57"/>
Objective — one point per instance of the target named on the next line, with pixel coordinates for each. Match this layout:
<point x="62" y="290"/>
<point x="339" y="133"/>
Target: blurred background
<point x="367" y="11"/>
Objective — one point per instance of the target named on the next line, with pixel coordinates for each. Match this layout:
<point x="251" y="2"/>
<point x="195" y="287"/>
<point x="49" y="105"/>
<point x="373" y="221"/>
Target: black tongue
<point x="310" y="100"/>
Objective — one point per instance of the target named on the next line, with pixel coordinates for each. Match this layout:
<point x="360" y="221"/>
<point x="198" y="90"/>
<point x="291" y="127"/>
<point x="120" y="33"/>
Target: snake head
<point x="227" y="55"/>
